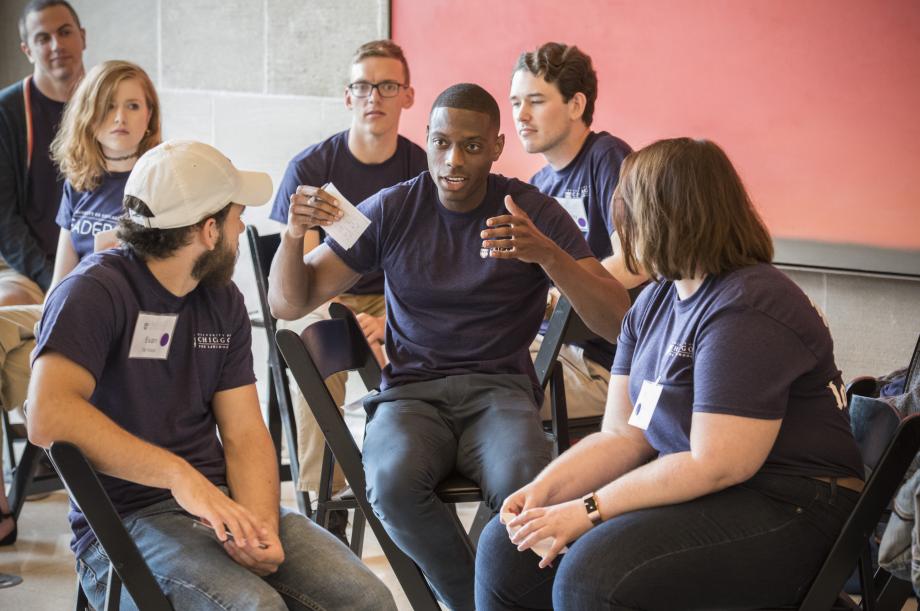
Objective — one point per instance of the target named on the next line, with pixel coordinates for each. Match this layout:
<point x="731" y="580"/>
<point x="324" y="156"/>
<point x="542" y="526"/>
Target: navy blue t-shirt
<point x="91" y="318"/>
<point x="747" y="343"/>
<point x="86" y="213"/>
<point x="449" y="311"/>
<point x="585" y="189"/>
<point x="45" y="182"/>
<point x="332" y="161"/>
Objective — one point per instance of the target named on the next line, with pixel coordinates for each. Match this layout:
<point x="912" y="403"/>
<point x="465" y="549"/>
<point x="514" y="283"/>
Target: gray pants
<point x="486" y="427"/>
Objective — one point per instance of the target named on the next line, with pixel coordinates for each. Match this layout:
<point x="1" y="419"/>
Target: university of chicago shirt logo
<point x="681" y="349"/>
<point x="212" y="341"/>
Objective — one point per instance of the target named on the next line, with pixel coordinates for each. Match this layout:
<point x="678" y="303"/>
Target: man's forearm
<point x="111" y="449"/>
<point x="597" y="297"/>
<point x="289" y="280"/>
<point x="252" y="474"/>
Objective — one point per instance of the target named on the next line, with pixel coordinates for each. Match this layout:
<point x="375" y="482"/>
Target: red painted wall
<point x="816" y="101"/>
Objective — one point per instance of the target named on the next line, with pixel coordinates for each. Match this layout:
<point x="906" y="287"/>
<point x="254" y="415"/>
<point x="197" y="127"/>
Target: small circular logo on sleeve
<point x="164" y="339"/>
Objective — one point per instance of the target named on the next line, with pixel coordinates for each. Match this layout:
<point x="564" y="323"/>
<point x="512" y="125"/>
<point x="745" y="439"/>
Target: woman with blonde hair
<point x="725" y="467"/>
<point x="111" y="120"/>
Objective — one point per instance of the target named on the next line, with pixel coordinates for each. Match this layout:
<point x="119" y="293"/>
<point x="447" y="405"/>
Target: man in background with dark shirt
<point x="553" y="91"/>
<point x="30" y="185"/>
<point x="367" y="157"/>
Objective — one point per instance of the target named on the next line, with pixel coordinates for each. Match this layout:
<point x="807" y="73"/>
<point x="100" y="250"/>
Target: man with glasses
<point x="360" y="161"/>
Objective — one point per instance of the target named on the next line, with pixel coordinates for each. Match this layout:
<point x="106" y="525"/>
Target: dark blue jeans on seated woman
<point x="757" y="544"/>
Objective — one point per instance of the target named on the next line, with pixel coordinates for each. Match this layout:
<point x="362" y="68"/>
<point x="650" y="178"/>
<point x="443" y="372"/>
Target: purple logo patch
<point x="165" y="339"/>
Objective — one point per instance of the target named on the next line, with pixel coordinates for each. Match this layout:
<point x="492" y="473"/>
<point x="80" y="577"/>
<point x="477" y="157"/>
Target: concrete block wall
<point x="874" y="320"/>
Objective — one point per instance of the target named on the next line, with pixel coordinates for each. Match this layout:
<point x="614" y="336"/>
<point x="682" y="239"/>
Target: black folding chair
<point x="332" y="346"/>
<point x="565" y="327"/>
<point x="127" y="567"/>
<point x="280" y="407"/>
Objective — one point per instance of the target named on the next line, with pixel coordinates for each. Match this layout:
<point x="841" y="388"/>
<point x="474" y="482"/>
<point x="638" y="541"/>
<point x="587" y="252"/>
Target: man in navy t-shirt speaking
<point x="553" y="92"/>
<point x="467" y="257"/>
<point x="144" y="361"/>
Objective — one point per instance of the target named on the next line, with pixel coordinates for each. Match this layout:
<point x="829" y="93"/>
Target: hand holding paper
<point x="353" y="223"/>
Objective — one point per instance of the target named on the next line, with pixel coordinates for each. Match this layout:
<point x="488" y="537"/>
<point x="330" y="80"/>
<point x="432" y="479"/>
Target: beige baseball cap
<point x="183" y="181"/>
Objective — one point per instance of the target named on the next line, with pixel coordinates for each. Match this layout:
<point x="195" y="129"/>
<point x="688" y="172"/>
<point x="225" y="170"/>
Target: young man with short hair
<point x="553" y="94"/>
<point x="360" y="161"/>
<point x="467" y="257"/>
<point x="143" y="358"/>
<point x="30" y="184"/>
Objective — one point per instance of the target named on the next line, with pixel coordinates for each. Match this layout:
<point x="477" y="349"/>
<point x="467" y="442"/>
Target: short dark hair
<point x="566" y="66"/>
<point x="36" y="6"/>
<point x="468" y="96"/>
<point x="382" y="48"/>
<point x="152" y="243"/>
<point x="681" y="209"/>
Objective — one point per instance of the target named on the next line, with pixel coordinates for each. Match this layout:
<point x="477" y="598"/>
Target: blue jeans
<point x="195" y="572"/>
<point x="486" y="427"/>
<point x="755" y="545"/>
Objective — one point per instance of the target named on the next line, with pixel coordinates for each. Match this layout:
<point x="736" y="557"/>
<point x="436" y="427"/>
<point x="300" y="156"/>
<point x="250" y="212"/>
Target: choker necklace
<point x="125" y="158"/>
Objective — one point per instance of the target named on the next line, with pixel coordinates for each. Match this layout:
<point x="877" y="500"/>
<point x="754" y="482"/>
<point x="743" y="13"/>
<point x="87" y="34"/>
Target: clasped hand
<point x="535" y="521"/>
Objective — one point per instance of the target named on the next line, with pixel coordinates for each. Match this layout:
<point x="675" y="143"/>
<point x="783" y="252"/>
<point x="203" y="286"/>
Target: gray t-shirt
<point x="748" y="343"/>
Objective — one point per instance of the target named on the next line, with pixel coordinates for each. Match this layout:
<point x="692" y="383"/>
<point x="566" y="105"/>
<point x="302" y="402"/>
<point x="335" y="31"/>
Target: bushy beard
<point x="215" y="267"/>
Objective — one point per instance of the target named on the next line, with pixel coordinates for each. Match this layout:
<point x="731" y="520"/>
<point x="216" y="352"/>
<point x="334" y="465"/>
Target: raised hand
<point x="514" y="236"/>
<point x="311" y="207"/>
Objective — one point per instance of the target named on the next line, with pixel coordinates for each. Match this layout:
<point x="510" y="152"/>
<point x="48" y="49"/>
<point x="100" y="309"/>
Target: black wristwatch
<point x="593" y="508"/>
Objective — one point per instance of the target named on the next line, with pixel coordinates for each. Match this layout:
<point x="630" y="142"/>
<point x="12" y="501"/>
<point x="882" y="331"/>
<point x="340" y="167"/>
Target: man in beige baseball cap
<point x="144" y="361"/>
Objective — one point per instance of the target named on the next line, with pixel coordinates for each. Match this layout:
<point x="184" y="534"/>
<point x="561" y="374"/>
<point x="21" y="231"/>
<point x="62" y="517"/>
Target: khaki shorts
<point x="17" y="340"/>
<point x="9" y="277"/>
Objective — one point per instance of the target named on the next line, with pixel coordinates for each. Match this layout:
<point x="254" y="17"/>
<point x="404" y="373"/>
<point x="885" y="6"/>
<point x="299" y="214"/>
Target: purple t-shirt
<point x="747" y="343"/>
<point x="45" y="182"/>
<point x="91" y="318"/>
<point x="449" y="311"/>
<point x="585" y="189"/>
<point x="86" y="213"/>
<point x="332" y="161"/>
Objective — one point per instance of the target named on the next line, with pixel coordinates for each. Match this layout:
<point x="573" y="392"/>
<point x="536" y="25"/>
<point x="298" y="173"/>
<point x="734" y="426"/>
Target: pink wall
<point x="816" y="101"/>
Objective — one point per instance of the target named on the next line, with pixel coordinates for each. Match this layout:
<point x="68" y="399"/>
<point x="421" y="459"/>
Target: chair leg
<point x="25" y="472"/>
<point x="325" y="488"/>
<point x="81" y="604"/>
<point x="357" y="533"/>
<point x="113" y="591"/>
<point x="483" y="515"/>
<point x="9" y="448"/>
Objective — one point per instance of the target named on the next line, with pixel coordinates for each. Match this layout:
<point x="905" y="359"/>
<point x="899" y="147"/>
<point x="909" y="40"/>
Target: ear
<point x="27" y="51"/>
<point x="83" y="36"/>
<point x="349" y="102"/>
<point x="427" y="132"/>
<point x="577" y="106"/>
<point x="409" y="98"/>
<point x="499" y="147"/>
<point x="210" y="234"/>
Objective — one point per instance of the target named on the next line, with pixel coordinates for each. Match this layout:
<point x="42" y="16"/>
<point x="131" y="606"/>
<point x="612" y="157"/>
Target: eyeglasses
<point x="386" y="89"/>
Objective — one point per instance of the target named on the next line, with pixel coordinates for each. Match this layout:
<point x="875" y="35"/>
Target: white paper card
<point x="641" y="415"/>
<point x="542" y="547"/>
<point x="349" y="228"/>
<point x="153" y="335"/>
<point x="575" y="206"/>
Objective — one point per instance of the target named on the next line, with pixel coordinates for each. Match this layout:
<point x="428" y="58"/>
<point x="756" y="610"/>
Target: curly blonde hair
<point x="75" y="148"/>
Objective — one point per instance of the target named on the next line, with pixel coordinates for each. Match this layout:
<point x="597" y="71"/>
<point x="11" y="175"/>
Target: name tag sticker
<point x="575" y="206"/>
<point x="153" y="335"/>
<point x="641" y="415"/>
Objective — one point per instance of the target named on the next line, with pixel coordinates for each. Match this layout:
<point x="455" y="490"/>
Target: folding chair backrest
<point x="324" y="348"/>
<point x="880" y="488"/>
<point x="87" y="492"/>
<point x="262" y="249"/>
